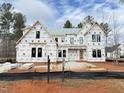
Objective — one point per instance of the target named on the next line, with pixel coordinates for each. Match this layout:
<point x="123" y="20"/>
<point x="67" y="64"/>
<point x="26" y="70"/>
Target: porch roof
<point x="73" y="46"/>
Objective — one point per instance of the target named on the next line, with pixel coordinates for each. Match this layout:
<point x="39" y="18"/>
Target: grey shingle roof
<point x="64" y="31"/>
<point x="111" y="49"/>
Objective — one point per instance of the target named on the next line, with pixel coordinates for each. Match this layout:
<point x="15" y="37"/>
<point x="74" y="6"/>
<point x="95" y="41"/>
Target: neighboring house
<point x="121" y="50"/>
<point x="111" y="51"/>
<point x="73" y="44"/>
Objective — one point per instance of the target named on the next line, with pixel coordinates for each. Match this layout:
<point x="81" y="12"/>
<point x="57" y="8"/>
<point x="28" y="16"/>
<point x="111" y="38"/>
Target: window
<point x="99" y="53"/>
<point x="64" y="53"/>
<point x="37" y="34"/>
<point x="23" y="53"/>
<point x="94" y="52"/>
<point x="81" y="40"/>
<point x="59" y="53"/>
<point x="33" y="54"/>
<point x="94" y="38"/>
<point x="63" y="39"/>
<point x="71" y="40"/>
<point x="39" y="52"/>
<point x="56" y="39"/>
<point x="45" y="41"/>
<point x="98" y="38"/>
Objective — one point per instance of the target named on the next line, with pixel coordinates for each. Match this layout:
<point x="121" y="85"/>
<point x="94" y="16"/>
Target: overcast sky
<point x="53" y="13"/>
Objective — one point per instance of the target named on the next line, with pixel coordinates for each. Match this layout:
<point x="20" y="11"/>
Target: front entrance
<point x="81" y="54"/>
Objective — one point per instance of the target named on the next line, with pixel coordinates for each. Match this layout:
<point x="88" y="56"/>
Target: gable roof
<point x="95" y="23"/>
<point x="61" y="31"/>
<point x="74" y="31"/>
<point x="29" y="29"/>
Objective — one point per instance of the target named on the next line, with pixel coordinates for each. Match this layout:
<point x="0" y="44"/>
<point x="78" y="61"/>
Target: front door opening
<point x="81" y="54"/>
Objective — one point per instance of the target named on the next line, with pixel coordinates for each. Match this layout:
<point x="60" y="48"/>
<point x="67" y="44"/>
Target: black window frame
<point x="98" y="38"/>
<point x="94" y="54"/>
<point x="59" y="53"/>
<point x="39" y="53"/>
<point x="33" y="52"/>
<point x="64" y="53"/>
<point x="37" y="34"/>
<point x="99" y="53"/>
<point x="93" y="38"/>
<point x="56" y="39"/>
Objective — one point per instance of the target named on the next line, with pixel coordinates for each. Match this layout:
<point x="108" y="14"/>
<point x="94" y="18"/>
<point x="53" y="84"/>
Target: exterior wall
<point x="45" y="42"/>
<point x="95" y="45"/>
<point x="121" y="50"/>
<point x="50" y="47"/>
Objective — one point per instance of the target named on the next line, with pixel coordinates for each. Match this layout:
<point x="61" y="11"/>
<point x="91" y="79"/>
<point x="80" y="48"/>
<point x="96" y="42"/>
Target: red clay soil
<point x="107" y="65"/>
<point x="69" y="86"/>
<point x="111" y="66"/>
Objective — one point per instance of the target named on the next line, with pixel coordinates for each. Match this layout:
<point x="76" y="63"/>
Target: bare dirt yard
<point x="69" y="86"/>
<point x="110" y="66"/>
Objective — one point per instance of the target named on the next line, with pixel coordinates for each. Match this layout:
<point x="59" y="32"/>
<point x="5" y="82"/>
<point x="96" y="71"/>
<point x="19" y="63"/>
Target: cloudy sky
<point x="53" y="13"/>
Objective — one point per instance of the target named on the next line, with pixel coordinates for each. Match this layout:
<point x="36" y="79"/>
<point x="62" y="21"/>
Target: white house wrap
<point x="77" y="44"/>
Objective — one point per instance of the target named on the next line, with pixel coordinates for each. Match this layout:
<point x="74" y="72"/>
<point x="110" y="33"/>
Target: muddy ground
<point x="69" y="86"/>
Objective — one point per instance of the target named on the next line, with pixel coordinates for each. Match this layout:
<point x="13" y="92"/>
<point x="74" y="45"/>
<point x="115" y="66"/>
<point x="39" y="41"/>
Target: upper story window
<point x="56" y="39"/>
<point x="71" y="40"/>
<point x="63" y="39"/>
<point x="37" y="34"/>
<point x="81" y="40"/>
<point x="96" y="38"/>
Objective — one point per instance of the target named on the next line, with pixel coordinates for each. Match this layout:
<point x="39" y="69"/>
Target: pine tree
<point x="80" y="25"/>
<point x="9" y="20"/>
<point x="67" y="24"/>
<point x="19" y="23"/>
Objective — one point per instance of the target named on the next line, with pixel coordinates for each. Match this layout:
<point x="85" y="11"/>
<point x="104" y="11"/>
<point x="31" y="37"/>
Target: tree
<point x="80" y="25"/>
<point x="19" y="23"/>
<point x="6" y="18"/>
<point x="106" y="29"/>
<point x="67" y="24"/>
<point x="9" y="21"/>
<point x="116" y="29"/>
<point x="121" y="1"/>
